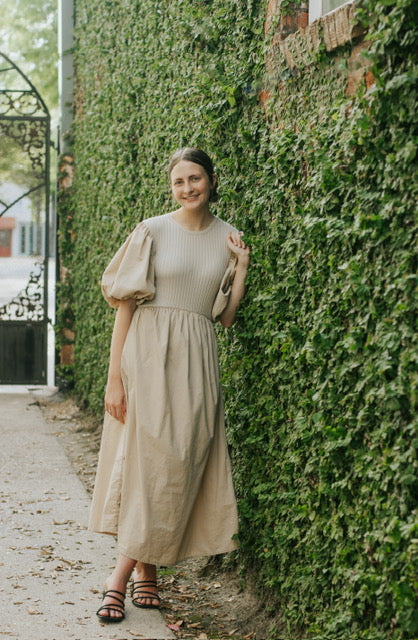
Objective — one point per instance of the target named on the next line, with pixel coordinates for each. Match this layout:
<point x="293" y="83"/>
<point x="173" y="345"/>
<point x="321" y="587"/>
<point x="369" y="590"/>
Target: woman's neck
<point x="193" y="220"/>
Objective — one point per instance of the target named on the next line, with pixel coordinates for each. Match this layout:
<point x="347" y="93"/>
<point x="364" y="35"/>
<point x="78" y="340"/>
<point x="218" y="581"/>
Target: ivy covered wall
<point x="318" y="371"/>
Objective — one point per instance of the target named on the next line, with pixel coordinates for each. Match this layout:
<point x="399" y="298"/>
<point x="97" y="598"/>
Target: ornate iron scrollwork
<point x="20" y="103"/>
<point x="25" y="136"/>
<point x="30" y="136"/>
<point x="24" y="117"/>
<point x="28" y="304"/>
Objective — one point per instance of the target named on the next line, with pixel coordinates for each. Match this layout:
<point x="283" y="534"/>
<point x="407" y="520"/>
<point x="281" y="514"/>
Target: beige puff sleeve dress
<point x="163" y="482"/>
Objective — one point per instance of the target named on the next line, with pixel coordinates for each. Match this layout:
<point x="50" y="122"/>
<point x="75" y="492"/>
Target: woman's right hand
<point x="115" y="400"/>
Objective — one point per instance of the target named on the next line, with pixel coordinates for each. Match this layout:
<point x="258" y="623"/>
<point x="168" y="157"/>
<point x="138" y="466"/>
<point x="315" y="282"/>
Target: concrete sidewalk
<point x="51" y="568"/>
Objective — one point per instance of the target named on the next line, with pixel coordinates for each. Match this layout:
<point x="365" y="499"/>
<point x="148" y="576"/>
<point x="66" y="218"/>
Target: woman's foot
<point x="144" y="591"/>
<point x="112" y="608"/>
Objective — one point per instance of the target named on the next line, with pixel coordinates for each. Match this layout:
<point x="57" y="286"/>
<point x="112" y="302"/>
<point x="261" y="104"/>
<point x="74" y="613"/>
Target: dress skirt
<point x="164" y="483"/>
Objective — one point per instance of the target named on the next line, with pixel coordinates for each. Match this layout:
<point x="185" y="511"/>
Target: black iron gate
<point x="24" y="228"/>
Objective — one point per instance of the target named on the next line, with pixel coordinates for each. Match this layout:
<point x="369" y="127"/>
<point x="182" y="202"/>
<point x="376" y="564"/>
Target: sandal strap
<point x="139" y="590"/>
<point x="149" y="593"/>
<point x="113" y="591"/>
<point x="110" y="607"/>
<point x="108" y="594"/>
<point x="137" y="586"/>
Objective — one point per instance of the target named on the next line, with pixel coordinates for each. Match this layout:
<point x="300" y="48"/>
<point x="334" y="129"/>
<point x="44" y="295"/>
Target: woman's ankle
<point x="145" y="571"/>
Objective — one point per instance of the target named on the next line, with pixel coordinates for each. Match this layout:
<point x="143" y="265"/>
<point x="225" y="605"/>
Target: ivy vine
<point x="319" y="372"/>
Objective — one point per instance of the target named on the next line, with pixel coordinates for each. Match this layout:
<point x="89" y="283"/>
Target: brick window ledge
<point x="300" y="48"/>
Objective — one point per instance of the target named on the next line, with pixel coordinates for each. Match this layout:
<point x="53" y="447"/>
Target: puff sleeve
<point x="222" y="296"/>
<point x="130" y="273"/>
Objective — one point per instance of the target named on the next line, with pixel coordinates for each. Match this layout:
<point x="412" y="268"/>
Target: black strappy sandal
<point x="138" y="592"/>
<point x="120" y="608"/>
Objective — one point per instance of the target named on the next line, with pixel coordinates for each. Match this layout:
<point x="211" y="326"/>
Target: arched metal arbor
<point x="24" y="228"/>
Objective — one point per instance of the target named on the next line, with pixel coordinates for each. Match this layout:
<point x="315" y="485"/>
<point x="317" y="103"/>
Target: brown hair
<point x="192" y="154"/>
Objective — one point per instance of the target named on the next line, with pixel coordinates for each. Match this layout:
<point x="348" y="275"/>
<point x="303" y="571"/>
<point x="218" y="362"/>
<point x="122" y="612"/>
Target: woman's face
<point x="190" y="185"/>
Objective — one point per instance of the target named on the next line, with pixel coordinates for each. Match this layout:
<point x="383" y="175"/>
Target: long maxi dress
<point x="163" y="482"/>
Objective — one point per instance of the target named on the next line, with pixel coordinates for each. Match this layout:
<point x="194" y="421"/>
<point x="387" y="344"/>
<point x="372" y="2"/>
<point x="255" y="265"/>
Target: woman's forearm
<point x="227" y="318"/>
<point x="122" y="322"/>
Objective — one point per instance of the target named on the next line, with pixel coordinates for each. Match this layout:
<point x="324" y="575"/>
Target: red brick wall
<point x="295" y="41"/>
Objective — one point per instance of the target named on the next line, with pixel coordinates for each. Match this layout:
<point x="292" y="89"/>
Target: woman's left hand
<point x="238" y="247"/>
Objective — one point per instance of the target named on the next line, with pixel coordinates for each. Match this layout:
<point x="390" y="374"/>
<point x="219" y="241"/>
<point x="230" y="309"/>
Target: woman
<point x="163" y="482"/>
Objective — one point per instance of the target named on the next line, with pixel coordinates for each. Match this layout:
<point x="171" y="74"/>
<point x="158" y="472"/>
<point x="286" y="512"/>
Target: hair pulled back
<point x="193" y="154"/>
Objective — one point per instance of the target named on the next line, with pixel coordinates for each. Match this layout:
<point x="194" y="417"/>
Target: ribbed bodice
<point x="189" y="265"/>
